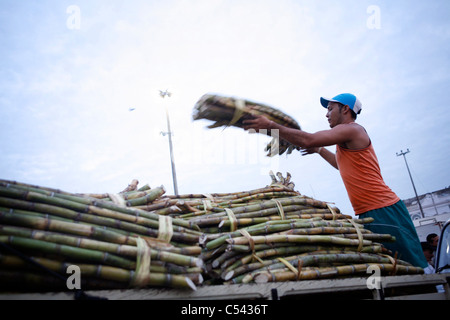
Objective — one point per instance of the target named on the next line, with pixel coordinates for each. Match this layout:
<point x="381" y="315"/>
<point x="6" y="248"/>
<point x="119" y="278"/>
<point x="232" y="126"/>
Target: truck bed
<point x="405" y="287"/>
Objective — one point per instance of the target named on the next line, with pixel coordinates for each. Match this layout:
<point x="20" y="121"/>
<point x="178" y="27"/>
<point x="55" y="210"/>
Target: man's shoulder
<point x="355" y="136"/>
<point x="349" y="127"/>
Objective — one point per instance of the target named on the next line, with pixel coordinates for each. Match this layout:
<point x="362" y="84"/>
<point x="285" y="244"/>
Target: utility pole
<point x="164" y="94"/>
<point x="414" y="187"/>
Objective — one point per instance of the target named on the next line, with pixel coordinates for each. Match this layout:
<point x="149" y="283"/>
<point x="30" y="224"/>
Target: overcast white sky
<point x="71" y="70"/>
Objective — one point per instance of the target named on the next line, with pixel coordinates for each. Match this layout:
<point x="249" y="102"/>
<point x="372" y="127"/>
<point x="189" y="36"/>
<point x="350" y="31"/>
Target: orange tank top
<point x="362" y="178"/>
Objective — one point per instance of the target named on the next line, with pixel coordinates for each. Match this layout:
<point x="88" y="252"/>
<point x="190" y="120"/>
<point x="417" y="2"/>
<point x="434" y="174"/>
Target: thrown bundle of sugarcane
<point x="231" y="111"/>
<point x="114" y="245"/>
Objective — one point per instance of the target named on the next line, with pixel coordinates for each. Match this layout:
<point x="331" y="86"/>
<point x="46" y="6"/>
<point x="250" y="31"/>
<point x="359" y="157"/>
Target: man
<point x="433" y="241"/>
<point x="428" y="252"/>
<point x="357" y="163"/>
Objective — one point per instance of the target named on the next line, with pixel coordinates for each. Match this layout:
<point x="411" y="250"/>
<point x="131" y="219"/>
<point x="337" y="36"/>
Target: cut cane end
<point x="191" y="284"/>
<point x="261" y="278"/>
<point x="227" y="276"/>
<point x="199" y="263"/>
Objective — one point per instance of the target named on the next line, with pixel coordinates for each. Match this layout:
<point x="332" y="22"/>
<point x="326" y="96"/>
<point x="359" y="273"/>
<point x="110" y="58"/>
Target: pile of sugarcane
<point x="277" y="234"/>
<point x="146" y="238"/>
<point x="114" y="244"/>
<point x="264" y="234"/>
<point x="300" y="249"/>
<point x="230" y="111"/>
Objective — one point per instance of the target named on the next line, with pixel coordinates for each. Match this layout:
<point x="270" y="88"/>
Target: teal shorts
<point x="396" y="221"/>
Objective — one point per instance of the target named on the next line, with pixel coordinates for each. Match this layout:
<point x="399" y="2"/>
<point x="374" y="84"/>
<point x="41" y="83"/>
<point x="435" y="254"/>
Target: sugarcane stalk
<point x="228" y="256"/>
<point x="97" y="220"/>
<point x="100" y="271"/>
<point x="280" y="251"/>
<point x="222" y="220"/>
<point x="155" y="205"/>
<point x="136" y="194"/>
<point x="260" y="209"/>
<point x="324" y="230"/>
<point x="257" y="247"/>
<point x="136" y="220"/>
<point x="304" y="214"/>
<point x="17" y="184"/>
<point x="66" y="227"/>
<point x="369" y="236"/>
<point x="60" y="238"/>
<point x="78" y="216"/>
<point x="213" y="253"/>
<point x="78" y="203"/>
<point x="121" y="250"/>
<point x="286" y="227"/>
<point x="275" y="226"/>
<point x="172" y="210"/>
<point x="242" y="194"/>
<point x="309" y="260"/>
<point x="244" y="273"/>
<point x="33" y="213"/>
<point x="330" y="259"/>
<point x="185" y="251"/>
<point x="299" y="239"/>
<point x="260" y="196"/>
<point x="149" y="197"/>
<point x="68" y="251"/>
<point x="104" y="272"/>
<point x="265" y="204"/>
<point x="27" y="281"/>
<point x="327" y="272"/>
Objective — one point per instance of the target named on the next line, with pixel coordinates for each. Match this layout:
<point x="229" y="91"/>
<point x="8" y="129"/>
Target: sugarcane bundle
<point x="114" y="245"/>
<point x="278" y="250"/>
<point x="231" y="111"/>
<point x="243" y="229"/>
<point x="215" y="213"/>
<point x="279" y="235"/>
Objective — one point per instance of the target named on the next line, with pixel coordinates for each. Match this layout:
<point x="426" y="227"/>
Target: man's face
<point x="334" y="115"/>
<point x="428" y="255"/>
<point x="435" y="241"/>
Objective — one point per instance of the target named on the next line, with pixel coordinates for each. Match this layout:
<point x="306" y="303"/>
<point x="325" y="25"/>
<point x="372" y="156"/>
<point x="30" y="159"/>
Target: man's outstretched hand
<point x="257" y="123"/>
<point x="307" y="151"/>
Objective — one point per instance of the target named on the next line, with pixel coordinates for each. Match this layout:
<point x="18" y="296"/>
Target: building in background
<point x="436" y="210"/>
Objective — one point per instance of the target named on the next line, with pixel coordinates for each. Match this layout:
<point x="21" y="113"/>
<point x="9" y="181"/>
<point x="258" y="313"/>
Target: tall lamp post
<point x="414" y="187"/>
<point x="164" y="94"/>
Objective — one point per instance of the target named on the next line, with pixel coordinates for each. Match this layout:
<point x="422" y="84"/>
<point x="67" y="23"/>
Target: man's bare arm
<point x="337" y="135"/>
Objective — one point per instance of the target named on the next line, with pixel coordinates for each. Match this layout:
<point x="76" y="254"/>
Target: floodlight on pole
<point x="164" y="94"/>
<point x="414" y="187"/>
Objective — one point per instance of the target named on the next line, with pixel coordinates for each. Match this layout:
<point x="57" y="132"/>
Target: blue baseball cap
<point x="346" y="99"/>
